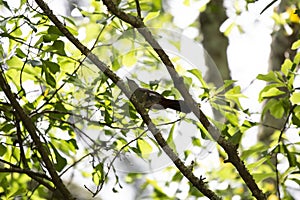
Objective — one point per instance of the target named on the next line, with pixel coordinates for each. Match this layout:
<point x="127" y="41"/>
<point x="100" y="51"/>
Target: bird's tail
<point x="178" y="105"/>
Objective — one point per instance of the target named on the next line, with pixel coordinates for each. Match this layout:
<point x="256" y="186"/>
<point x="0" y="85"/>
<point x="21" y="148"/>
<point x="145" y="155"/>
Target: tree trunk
<point x="215" y="43"/>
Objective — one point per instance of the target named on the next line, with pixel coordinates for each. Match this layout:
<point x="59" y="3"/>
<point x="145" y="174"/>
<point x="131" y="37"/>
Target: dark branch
<point x="230" y="148"/>
<point x="30" y="127"/>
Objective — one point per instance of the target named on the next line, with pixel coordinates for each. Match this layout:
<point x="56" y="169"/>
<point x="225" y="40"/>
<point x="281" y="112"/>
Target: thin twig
<point x="113" y="160"/>
<point x="281" y="141"/>
<point x="32" y="130"/>
<point x="138" y="9"/>
<point x="230" y="148"/>
<point x="200" y="184"/>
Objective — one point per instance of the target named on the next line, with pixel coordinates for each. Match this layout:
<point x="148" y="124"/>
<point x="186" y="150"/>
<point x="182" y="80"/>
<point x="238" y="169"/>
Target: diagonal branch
<point x="30" y="127"/>
<point x="34" y="175"/>
<point x="230" y="148"/>
<point x="197" y="182"/>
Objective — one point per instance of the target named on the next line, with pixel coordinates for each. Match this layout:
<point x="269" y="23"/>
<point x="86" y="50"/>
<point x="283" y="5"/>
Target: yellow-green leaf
<point x="286" y="66"/>
<point x="295" y="98"/>
<point x="151" y="15"/>
<point x="144" y="147"/>
<point x="297" y="59"/>
<point x="296" y="45"/>
<point x="272" y="92"/>
<point x="129" y="59"/>
<point x="170" y="140"/>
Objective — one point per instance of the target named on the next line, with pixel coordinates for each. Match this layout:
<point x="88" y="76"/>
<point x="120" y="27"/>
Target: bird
<point x="153" y="100"/>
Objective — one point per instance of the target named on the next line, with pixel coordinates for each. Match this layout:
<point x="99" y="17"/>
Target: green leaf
<point x="7" y="127"/>
<point x="198" y="75"/>
<point x="50" y="79"/>
<point x="296" y="180"/>
<point x="3" y="149"/>
<point x="54" y="30"/>
<point x="297" y="58"/>
<point x="286" y="66"/>
<point x="291" y="156"/>
<point x="262" y="176"/>
<point x="129" y="59"/>
<point x="270" y="91"/>
<point x="270" y="77"/>
<point x="144" y="147"/>
<point x="296" y="116"/>
<point x="232" y="118"/>
<point x="20" y="53"/>
<point x="98" y="174"/>
<point x="49" y="38"/>
<point x="295" y="98"/>
<point x="229" y="28"/>
<point x="227" y="84"/>
<point x="5" y="4"/>
<point x="236" y="138"/>
<point x="296" y="45"/>
<point x="35" y="63"/>
<point x="196" y="141"/>
<point x="52" y="66"/>
<point x="61" y="162"/>
<point x="275" y="107"/>
<point x="57" y="47"/>
<point x="254" y="150"/>
<point x="258" y="163"/>
<point x="151" y="15"/>
<point x="177" y="177"/>
<point x="157" y="5"/>
<point x="107" y="117"/>
<point x="234" y="94"/>
<point x="170" y="140"/>
<point x="159" y="191"/>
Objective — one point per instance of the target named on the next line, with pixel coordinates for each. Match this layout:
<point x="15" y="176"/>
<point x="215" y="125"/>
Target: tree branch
<point x="34" y="175"/>
<point x="198" y="183"/>
<point x="230" y="148"/>
<point x="30" y="127"/>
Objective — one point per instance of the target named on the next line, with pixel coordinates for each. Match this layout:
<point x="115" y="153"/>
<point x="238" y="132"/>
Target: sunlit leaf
<point x="296" y="116"/>
<point x="270" y="77"/>
<point x="297" y="59"/>
<point x="286" y="66"/>
<point x="61" y="162"/>
<point x="196" y="141"/>
<point x="54" y="30"/>
<point x="170" y="140"/>
<point x="50" y="79"/>
<point x="20" y="53"/>
<point x="98" y="174"/>
<point x="295" y="98"/>
<point x="198" y="75"/>
<point x="151" y="15"/>
<point x="144" y="147"/>
<point x="3" y="149"/>
<point x="236" y="138"/>
<point x="129" y="59"/>
<point x="291" y="156"/>
<point x="52" y="66"/>
<point x="296" y="45"/>
<point x="262" y="176"/>
<point x="270" y="91"/>
<point x="277" y="109"/>
<point x="177" y="177"/>
<point x="58" y="47"/>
